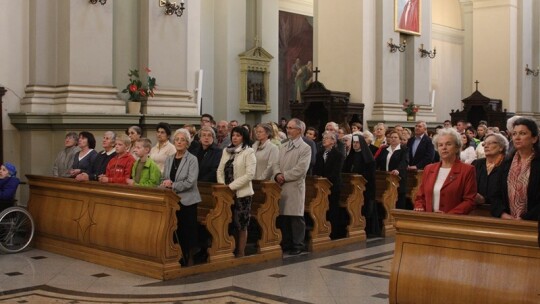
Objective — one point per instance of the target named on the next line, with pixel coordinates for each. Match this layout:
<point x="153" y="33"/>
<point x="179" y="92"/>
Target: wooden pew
<point x="414" y="179"/>
<point x="265" y="209"/>
<point x="386" y="193"/>
<point x="352" y="199"/>
<point x="129" y="228"/>
<point x="316" y="206"/>
<point x="464" y="259"/>
<point x="214" y="212"/>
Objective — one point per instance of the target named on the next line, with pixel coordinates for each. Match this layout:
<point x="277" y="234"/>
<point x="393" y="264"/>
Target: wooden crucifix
<point x="316" y="71"/>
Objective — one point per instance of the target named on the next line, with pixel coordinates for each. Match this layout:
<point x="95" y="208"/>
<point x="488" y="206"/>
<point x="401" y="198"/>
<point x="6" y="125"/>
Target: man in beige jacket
<point x="290" y="173"/>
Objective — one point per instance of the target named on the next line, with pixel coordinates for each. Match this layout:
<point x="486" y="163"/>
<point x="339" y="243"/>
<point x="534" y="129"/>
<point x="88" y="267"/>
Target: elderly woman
<point x="180" y="175"/>
<point x="134" y="133"/>
<point x="209" y="155"/>
<point x="395" y="160"/>
<point x="347" y="142"/>
<point x="163" y="148"/>
<point x="405" y="136"/>
<point x="448" y="186"/>
<point x="83" y="161"/>
<point x="468" y="152"/>
<point x="520" y="179"/>
<point x="266" y="153"/>
<point x="361" y="161"/>
<point x="380" y="135"/>
<point x="329" y="162"/>
<point x="64" y="159"/>
<point x="237" y="169"/>
<point x="488" y="169"/>
<point x="368" y="138"/>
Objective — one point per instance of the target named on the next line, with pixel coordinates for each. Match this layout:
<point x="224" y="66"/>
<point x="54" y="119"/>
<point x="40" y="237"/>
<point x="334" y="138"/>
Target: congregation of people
<point x="463" y="168"/>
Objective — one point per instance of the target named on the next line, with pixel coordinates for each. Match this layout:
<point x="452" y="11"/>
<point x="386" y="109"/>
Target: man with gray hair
<point x="421" y="150"/>
<point x="290" y="174"/>
<point x="64" y="159"/>
<point x="223" y="138"/>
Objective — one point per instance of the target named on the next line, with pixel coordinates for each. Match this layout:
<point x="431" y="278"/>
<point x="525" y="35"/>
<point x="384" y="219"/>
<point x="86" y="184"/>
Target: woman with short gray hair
<point x="64" y="159"/>
<point x="448" y="186"/>
<point x="180" y="175"/>
<point x="488" y="169"/>
<point x="329" y="162"/>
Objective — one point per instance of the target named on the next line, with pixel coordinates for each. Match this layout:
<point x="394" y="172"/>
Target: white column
<point x="388" y="100"/>
<point x="467" y="82"/>
<point x="166" y="46"/>
<point x="229" y="41"/>
<point x="71" y="59"/>
<point x="268" y="14"/>
<point x="524" y="92"/>
<point x="495" y="50"/>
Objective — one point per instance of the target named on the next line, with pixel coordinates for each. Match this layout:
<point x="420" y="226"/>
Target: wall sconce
<point x="531" y="72"/>
<point x="100" y="1"/>
<point x="425" y="53"/>
<point x="172" y="8"/>
<point x="397" y="47"/>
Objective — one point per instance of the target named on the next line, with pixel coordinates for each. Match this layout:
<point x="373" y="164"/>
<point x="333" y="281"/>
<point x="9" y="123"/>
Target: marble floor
<point x="355" y="274"/>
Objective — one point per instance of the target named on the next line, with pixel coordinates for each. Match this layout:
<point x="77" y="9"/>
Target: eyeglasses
<point x="292" y="128"/>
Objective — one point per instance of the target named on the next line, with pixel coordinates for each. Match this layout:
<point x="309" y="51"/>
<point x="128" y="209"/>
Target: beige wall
<point x="446" y="13"/>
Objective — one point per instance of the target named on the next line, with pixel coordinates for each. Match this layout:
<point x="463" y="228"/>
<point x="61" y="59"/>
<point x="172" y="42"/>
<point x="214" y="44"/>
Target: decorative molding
<point x="302" y="7"/>
<point x="447" y="34"/>
<point x="488" y="4"/>
<point x="71" y="121"/>
<point x="72" y="99"/>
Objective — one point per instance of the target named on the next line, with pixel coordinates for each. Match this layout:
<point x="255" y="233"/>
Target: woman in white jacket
<point x="237" y="169"/>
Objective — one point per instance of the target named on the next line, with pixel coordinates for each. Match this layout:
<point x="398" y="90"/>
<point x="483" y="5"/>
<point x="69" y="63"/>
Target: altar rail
<point x="464" y="259"/>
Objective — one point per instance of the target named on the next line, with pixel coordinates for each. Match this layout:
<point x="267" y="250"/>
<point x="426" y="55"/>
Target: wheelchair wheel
<point x="16" y="229"/>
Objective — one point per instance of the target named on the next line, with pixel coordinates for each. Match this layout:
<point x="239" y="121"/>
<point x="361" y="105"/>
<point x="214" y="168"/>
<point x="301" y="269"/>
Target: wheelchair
<point x="16" y="229"/>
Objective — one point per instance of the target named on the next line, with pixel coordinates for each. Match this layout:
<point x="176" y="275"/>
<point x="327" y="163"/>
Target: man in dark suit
<point x="421" y="150"/>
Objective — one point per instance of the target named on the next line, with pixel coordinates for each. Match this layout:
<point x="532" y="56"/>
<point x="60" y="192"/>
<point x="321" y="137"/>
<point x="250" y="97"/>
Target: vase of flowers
<point x="411" y="109"/>
<point x="139" y="91"/>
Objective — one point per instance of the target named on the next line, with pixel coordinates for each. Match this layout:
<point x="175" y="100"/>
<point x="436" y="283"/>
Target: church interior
<point x="65" y="65"/>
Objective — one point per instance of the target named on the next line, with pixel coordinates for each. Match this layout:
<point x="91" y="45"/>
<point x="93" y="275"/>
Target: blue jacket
<point x="8" y="188"/>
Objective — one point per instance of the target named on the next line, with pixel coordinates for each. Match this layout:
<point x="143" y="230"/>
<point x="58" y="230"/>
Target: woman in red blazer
<point x="448" y="186"/>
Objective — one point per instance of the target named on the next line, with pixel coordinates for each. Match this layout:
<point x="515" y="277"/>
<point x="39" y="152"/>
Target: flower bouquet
<point x="136" y="89"/>
<point x="410" y="108"/>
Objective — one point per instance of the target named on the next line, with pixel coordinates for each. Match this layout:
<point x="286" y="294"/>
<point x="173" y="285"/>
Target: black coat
<point x="100" y="165"/>
<point x="424" y="152"/>
<point x="208" y="163"/>
<point x="398" y="161"/>
<point x="359" y="163"/>
<point x="533" y="195"/>
<point x="488" y="185"/>
<point x="331" y="169"/>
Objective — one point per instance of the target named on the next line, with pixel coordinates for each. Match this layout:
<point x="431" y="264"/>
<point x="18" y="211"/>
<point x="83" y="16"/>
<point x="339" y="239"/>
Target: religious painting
<point x="255" y="88"/>
<point x="407" y="16"/>
<point x="295" y="58"/>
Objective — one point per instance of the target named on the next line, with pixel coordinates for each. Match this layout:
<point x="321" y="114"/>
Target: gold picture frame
<point x="408" y="16"/>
